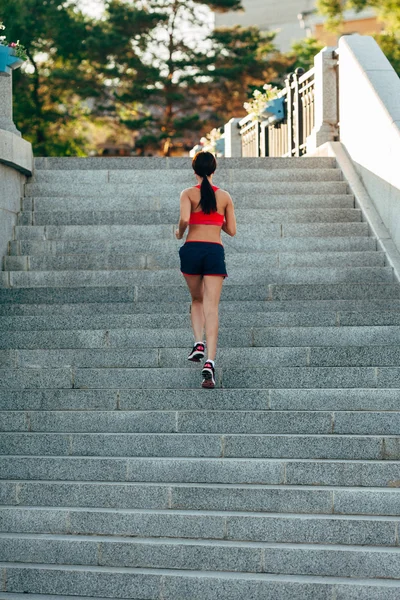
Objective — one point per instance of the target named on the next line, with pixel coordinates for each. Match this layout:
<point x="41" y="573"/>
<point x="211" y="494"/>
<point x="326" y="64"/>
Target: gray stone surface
<point x="168" y="189"/>
<point x="237" y="277"/>
<point x="314" y="447"/>
<point x="88" y="358"/>
<point x="327" y="336"/>
<point x="111" y="454"/>
<point x="14" y="379"/>
<point x="379" y="474"/>
<point x="281" y="214"/>
<point x="95" y="495"/>
<point x="254" y="422"/>
<point x="368" y="502"/>
<point x="225" y="175"/>
<point x="48" y="550"/>
<point x="33" y="520"/>
<point x="157" y="163"/>
<point x="168" y="247"/>
<point x="148" y="524"/>
<point x="275" y="528"/>
<point x="182" y="554"/>
<point x="314" y="529"/>
<point x="76" y="319"/>
<point x="302" y="377"/>
<point x="91" y="582"/>
<point x="337" y="400"/>
<point x="260" y="499"/>
<point x="332" y="562"/>
<point x="171" y="261"/>
<point x="333" y="311"/>
<point x="62" y="399"/>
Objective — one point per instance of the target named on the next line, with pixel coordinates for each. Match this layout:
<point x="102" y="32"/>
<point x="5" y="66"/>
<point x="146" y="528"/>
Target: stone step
<point x="108" y="232"/>
<point x="222" y="178"/>
<point x="335" y="312"/>
<point x="237" y="276"/>
<point x="205" y="555"/>
<point x="161" y="378"/>
<point x="249" y="421"/>
<point x="13" y="596"/>
<point x="156" y="163"/>
<point x="68" y="320"/>
<point x="244" y="217"/>
<point x="237" y="188"/>
<point x="241" y="337"/>
<point x="177" y="584"/>
<point x="101" y="262"/>
<point x="283" y="498"/>
<point x="179" y="399"/>
<point x="170" y="247"/>
<point x="65" y="319"/>
<point x="170" y="467"/>
<point x="218" y="525"/>
<point x="140" y="295"/>
<point x="282" y="292"/>
<point x="228" y="358"/>
<point x="154" y="204"/>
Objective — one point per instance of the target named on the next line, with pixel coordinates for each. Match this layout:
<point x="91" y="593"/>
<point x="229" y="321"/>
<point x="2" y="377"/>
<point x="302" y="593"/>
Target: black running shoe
<point x="197" y="354"/>
<point x="208" y="374"/>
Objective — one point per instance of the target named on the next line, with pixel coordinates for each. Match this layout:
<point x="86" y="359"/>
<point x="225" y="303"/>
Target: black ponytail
<point x="204" y="165"/>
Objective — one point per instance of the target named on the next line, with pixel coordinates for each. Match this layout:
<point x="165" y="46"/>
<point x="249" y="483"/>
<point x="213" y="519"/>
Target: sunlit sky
<point x="93" y="8"/>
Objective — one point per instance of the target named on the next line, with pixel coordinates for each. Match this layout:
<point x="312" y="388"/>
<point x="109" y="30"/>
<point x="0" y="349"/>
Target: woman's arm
<point x="230" y="220"/>
<point x="184" y="215"/>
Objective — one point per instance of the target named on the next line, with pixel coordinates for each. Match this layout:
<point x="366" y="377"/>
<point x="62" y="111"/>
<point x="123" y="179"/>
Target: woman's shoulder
<point x="223" y="195"/>
<point x="188" y="191"/>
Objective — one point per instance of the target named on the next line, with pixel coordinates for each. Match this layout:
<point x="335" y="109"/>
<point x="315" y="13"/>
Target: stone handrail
<point x="369" y="108"/>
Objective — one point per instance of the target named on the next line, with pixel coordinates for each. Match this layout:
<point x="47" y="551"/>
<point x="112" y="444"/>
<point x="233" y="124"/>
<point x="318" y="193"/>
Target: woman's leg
<point x="212" y="294"/>
<point x="196" y="287"/>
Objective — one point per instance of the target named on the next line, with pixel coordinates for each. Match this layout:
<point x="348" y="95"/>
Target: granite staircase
<point x="120" y="477"/>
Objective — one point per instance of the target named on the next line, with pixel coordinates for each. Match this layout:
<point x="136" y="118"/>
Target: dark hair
<point x="204" y="165"/>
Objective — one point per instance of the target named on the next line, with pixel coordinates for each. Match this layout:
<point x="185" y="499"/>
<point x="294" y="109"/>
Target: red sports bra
<point x="201" y="218"/>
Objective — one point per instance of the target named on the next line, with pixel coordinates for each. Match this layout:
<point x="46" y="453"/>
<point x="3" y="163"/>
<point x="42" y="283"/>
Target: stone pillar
<point x="325" y="100"/>
<point x="233" y="140"/>
<point x="6" y="106"/>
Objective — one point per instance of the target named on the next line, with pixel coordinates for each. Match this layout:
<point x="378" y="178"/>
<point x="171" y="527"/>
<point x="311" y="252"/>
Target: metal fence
<point x="287" y="137"/>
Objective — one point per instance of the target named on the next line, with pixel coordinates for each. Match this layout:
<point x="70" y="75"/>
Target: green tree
<point x="390" y="45"/>
<point x="303" y="52"/>
<point x="162" y="104"/>
<point x="69" y="61"/>
<point x="240" y="60"/>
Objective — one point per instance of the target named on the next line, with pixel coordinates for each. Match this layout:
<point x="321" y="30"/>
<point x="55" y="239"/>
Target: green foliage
<point x="164" y="94"/>
<point x="136" y="72"/>
<point x="46" y="100"/>
<point x="390" y="45"/>
<point x="387" y="10"/>
<point x="239" y="61"/>
<point x="303" y="52"/>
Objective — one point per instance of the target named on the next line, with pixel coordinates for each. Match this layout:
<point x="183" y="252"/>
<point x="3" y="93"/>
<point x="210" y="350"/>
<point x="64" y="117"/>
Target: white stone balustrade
<point x="16" y="161"/>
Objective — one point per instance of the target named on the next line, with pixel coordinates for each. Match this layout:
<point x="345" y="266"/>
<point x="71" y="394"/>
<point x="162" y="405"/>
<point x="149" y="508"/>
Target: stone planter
<point x="8" y="60"/>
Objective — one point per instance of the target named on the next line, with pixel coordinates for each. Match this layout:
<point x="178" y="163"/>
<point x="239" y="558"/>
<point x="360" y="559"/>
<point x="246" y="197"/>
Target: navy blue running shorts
<point x="203" y="258"/>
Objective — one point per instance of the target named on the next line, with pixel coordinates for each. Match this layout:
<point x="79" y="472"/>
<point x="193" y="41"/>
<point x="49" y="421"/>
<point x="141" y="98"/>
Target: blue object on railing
<point x="275" y="110"/>
<point x="8" y="59"/>
<point x="220" y="146"/>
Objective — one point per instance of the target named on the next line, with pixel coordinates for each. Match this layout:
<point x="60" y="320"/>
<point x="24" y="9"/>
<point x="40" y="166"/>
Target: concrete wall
<point x="369" y="113"/>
